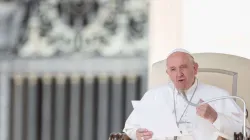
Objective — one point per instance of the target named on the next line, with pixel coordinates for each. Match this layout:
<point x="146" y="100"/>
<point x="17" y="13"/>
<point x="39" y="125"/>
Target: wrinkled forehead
<point x="179" y="58"/>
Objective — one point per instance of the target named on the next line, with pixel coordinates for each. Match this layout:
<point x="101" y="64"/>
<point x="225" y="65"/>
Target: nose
<point x="179" y="73"/>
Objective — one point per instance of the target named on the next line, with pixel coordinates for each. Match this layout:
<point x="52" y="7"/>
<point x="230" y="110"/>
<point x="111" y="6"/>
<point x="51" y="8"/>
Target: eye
<point x="172" y="69"/>
<point x="183" y="66"/>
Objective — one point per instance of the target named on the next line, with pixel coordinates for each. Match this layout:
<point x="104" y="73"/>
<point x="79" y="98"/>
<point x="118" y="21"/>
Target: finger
<point x="141" y="136"/>
<point x="205" y="111"/>
<point x="200" y="113"/>
<point x="204" y="114"/>
<point x="201" y="101"/>
<point x="147" y="137"/>
<point x="200" y="108"/>
<point x="141" y="130"/>
<point x="199" y="104"/>
<point x="203" y="107"/>
<point x="148" y="133"/>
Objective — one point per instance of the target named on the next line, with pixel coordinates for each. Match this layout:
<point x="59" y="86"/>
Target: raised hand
<point x="143" y="134"/>
<point x="207" y="112"/>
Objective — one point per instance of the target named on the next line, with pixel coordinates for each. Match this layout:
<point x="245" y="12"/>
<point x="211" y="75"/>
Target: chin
<point x="180" y="88"/>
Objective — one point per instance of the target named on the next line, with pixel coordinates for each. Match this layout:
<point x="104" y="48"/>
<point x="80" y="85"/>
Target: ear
<point x="167" y="71"/>
<point x="196" y="67"/>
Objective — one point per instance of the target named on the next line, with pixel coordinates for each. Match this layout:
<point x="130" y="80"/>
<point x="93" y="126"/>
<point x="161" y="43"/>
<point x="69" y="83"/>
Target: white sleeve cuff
<point x="131" y="134"/>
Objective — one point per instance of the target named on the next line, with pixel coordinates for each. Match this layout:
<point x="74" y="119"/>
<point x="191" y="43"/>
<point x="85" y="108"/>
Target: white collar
<point x="193" y="87"/>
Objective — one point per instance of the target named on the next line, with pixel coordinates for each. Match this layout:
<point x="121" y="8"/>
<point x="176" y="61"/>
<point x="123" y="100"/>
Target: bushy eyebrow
<point x="183" y="65"/>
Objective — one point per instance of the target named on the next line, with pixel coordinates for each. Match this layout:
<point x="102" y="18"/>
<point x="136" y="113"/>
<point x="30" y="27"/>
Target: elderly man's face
<point x="181" y="70"/>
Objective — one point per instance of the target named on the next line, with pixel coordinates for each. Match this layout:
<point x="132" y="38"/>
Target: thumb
<point x="141" y="130"/>
<point x="200" y="101"/>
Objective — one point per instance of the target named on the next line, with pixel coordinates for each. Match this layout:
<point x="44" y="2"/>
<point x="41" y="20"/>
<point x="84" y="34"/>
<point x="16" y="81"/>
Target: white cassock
<point x="229" y="113"/>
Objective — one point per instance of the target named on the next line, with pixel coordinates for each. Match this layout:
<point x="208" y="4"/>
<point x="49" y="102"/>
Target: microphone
<point x="219" y="98"/>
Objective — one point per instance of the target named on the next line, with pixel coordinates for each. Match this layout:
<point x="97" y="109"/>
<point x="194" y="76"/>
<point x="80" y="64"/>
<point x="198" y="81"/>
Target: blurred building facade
<point x="69" y="69"/>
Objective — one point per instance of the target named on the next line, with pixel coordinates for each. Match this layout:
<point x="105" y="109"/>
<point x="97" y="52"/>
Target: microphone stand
<point x="221" y="98"/>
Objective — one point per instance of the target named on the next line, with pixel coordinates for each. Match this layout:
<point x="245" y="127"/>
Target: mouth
<point x="181" y="80"/>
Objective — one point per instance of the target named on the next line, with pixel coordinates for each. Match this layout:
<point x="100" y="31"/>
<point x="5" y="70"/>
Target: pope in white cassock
<point x="182" y="70"/>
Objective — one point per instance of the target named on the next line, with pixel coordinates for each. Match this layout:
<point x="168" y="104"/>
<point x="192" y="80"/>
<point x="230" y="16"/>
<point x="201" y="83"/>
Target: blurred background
<point x="70" y="68"/>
